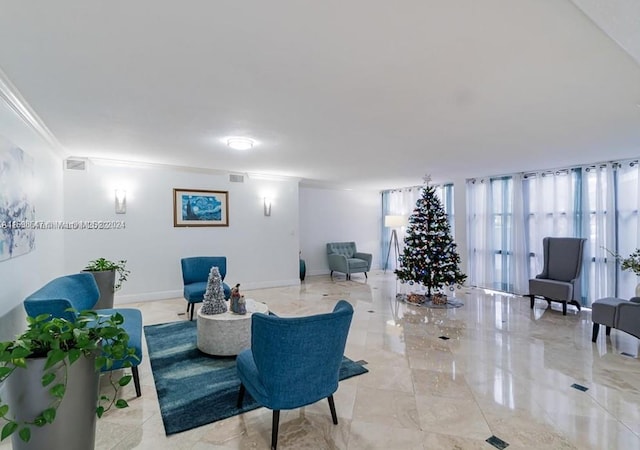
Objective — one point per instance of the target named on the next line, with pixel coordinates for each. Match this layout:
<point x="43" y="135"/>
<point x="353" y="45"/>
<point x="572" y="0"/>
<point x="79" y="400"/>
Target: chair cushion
<point x="357" y="264"/>
<point x="194" y="292"/>
<point x="249" y="376"/>
<point x="603" y="311"/>
<point x="556" y="290"/>
<point x="133" y="325"/>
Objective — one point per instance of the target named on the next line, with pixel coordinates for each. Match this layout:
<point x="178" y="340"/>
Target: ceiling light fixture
<point x="240" y="143"/>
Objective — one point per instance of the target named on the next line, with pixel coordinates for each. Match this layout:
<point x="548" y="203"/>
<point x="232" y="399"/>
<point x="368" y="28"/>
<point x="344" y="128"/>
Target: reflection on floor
<point x="506" y="374"/>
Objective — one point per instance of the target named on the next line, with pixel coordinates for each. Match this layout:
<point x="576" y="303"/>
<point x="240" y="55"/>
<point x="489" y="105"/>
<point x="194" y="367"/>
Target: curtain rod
<point x="560" y="171"/>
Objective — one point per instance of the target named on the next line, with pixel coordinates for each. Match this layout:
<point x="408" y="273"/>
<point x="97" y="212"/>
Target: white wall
<point x="22" y="275"/>
<point x="261" y="251"/>
<point x="328" y="215"/>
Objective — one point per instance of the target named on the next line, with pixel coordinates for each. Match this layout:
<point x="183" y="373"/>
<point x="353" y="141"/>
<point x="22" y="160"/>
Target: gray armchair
<point x="560" y="277"/>
<point x="344" y="257"/>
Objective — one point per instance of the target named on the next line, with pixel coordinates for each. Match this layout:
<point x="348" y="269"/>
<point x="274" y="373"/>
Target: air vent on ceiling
<point x="236" y="178"/>
<point x="75" y="164"/>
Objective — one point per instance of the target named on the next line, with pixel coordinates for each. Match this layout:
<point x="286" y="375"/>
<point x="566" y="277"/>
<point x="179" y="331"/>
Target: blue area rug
<point x="195" y="389"/>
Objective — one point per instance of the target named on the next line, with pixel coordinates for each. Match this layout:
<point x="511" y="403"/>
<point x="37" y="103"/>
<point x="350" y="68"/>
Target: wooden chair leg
<point x="240" y="396"/>
<point x="594" y="333"/>
<point x="192" y="308"/>
<point x="332" y="407"/>
<point x="365" y="275"/>
<point x="136" y="380"/>
<point x="608" y="331"/>
<point x="564" y="308"/>
<point x="533" y="300"/>
<point x="274" y="429"/>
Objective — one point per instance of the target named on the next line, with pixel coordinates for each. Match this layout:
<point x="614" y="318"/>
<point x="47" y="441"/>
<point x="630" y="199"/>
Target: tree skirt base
<point x="415" y="299"/>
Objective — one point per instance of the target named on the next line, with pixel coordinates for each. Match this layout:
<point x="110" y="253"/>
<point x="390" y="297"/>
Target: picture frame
<point x="200" y="208"/>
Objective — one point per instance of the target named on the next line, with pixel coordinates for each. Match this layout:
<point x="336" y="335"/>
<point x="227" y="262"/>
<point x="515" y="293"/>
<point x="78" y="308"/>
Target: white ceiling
<point x="352" y="93"/>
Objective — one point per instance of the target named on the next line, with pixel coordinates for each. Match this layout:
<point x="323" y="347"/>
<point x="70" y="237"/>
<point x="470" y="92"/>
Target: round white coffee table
<point x="228" y="333"/>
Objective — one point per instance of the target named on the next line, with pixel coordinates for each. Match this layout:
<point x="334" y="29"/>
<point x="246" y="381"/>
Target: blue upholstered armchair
<point x="344" y="257"/>
<point x="294" y="361"/>
<point x="559" y="280"/>
<point x="195" y="274"/>
<point x="80" y="292"/>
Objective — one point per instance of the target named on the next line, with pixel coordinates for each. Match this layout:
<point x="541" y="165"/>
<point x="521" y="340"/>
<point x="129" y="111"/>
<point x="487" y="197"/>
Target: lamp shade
<point x="395" y="221"/>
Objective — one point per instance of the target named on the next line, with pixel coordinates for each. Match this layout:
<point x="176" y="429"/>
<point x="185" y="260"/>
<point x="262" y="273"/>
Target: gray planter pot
<point x="74" y="427"/>
<point x="105" y="280"/>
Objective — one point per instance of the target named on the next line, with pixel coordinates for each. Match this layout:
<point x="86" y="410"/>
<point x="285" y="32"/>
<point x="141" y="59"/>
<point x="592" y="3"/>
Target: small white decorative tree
<point x="213" y="302"/>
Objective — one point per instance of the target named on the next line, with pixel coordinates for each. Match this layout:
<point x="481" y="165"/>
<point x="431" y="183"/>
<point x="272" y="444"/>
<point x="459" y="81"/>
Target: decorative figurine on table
<point x="213" y="302"/>
<point x="237" y="302"/>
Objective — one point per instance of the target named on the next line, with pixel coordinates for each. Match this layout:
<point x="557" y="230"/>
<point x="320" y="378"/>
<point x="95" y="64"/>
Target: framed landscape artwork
<point x="200" y="208"/>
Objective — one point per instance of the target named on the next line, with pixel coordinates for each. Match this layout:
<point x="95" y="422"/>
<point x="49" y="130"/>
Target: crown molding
<point x="12" y="97"/>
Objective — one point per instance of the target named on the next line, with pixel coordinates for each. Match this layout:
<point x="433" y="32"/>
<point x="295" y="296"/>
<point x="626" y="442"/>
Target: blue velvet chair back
<point x="298" y="358"/>
<point x="197" y="268"/>
<point x="78" y="291"/>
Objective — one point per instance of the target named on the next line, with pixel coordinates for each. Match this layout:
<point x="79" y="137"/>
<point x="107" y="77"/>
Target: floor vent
<point x="75" y="164"/>
<point x="236" y="178"/>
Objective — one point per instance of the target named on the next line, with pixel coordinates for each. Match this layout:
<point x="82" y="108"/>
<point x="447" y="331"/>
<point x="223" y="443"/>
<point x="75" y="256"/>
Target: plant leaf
<point x="25" y="434"/>
<point x="58" y="390"/>
<point x="4" y="409"/>
<point x="5" y="371"/>
<point x="99" y="411"/>
<point x="49" y="415"/>
<point x="39" y="421"/>
<point x="48" y="378"/>
<point x="74" y="354"/>
<point x="123" y="381"/>
<point x="53" y="357"/>
<point x="121" y="403"/>
<point x="8" y="430"/>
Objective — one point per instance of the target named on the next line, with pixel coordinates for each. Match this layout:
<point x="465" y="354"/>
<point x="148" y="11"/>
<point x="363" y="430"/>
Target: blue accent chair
<point x="195" y="274"/>
<point x="80" y="292"/>
<point x="344" y="257"/>
<point x="294" y="361"/>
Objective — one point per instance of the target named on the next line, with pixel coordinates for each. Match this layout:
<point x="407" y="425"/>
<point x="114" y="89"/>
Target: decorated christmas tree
<point x="429" y="256"/>
<point x="213" y="301"/>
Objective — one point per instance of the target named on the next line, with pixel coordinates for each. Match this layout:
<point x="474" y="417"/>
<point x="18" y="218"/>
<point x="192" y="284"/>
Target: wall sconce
<point x="121" y="201"/>
<point x="267" y="206"/>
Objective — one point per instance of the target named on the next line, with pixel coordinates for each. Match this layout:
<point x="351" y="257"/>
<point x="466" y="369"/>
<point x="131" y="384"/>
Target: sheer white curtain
<point x="479" y="233"/>
<point x="628" y="225"/>
<point x="508" y="217"/>
<point x="551" y="210"/>
<point x="399" y="202"/>
<point x="518" y="269"/>
<point x="496" y="234"/>
<point x="599" y="225"/>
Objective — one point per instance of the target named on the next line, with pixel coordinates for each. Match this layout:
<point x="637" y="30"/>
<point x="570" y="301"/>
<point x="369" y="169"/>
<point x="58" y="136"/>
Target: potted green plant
<point x="109" y="277"/>
<point x="632" y="263"/>
<point x="51" y="378"/>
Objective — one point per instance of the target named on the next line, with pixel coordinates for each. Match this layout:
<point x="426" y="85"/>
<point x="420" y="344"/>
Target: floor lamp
<point x="393" y="222"/>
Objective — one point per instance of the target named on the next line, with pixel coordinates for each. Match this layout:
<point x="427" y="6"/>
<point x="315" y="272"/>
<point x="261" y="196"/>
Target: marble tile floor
<point x="505" y="371"/>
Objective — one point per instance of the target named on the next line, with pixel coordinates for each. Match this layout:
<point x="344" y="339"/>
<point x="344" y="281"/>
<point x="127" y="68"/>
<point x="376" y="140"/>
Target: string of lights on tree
<point x="429" y="256"/>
